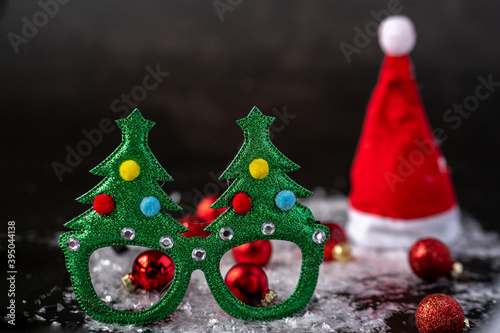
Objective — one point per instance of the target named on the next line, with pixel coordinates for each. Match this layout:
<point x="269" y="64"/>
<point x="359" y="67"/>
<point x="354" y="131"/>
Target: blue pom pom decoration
<point x="150" y="206"/>
<point x="285" y="200"/>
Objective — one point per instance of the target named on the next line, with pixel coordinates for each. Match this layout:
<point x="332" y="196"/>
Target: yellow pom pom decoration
<point x="259" y="169"/>
<point x="129" y="170"/>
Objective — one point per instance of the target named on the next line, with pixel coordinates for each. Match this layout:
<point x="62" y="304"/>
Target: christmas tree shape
<point x="261" y="205"/>
<point x="118" y="170"/>
<point x="127" y="209"/>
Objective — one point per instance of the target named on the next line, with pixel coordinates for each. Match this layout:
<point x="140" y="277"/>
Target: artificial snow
<point x="361" y="295"/>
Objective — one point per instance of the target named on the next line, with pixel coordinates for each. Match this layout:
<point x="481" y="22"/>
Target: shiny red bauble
<point x="241" y="203"/>
<point x="336" y="247"/>
<point x="103" y="204"/>
<point x="195" y="224"/>
<point x="152" y="270"/>
<point x="439" y="313"/>
<point x="258" y="252"/>
<point x="204" y="211"/>
<point x="430" y="259"/>
<point x="248" y="282"/>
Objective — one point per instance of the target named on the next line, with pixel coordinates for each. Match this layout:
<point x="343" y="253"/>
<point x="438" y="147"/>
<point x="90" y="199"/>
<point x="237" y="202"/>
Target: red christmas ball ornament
<point x="152" y="270"/>
<point x="104" y="204"/>
<point x="258" y="252"/>
<point x="242" y="203"/>
<point x="204" y="211"/>
<point x="336" y="247"/>
<point x="440" y="313"/>
<point x="195" y="224"/>
<point x="430" y="259"/>
<point x="248" y="282"/>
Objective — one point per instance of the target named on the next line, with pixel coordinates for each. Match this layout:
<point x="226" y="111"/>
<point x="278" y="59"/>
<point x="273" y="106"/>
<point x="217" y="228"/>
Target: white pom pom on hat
<point x="397" y="36"/>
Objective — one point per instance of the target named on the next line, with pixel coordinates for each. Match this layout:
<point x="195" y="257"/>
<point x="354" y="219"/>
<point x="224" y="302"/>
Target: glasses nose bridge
<point x="199" y="254"/>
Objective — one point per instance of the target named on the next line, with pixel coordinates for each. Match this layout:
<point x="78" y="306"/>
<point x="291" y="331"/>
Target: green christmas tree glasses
<point x="135" y="215"/>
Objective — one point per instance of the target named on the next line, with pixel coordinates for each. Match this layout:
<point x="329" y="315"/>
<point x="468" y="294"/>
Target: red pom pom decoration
<point x="104" y="204"/>
<point x="195" y="224"/>
<point x="336" y="247"/>
<point x="205" y="212"/>
<point x="440" y="313"/>
<point x="248" y="282"/>
<point x="430" y="259"/>
<point x="242" y="203"/>
<point x="258" y="252"/>
<point x="152" y="270"/>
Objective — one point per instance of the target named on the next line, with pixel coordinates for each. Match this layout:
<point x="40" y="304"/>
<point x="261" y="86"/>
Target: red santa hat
<point x="401" y="186"/>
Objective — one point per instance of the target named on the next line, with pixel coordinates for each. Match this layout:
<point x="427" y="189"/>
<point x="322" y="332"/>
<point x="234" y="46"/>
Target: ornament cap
<point x="269" y="297"/>
<point x="466" y="326"/>
<point x="128" y="283"/>
<point x="342" y="252"/>
<point x="457" y="270"/>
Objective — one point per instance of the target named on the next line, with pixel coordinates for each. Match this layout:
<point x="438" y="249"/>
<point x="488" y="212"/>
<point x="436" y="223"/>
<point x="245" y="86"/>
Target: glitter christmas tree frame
<point x="131" y="174"/>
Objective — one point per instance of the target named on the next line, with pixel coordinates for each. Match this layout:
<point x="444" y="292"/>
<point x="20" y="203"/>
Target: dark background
<point x="276" y="55"/>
